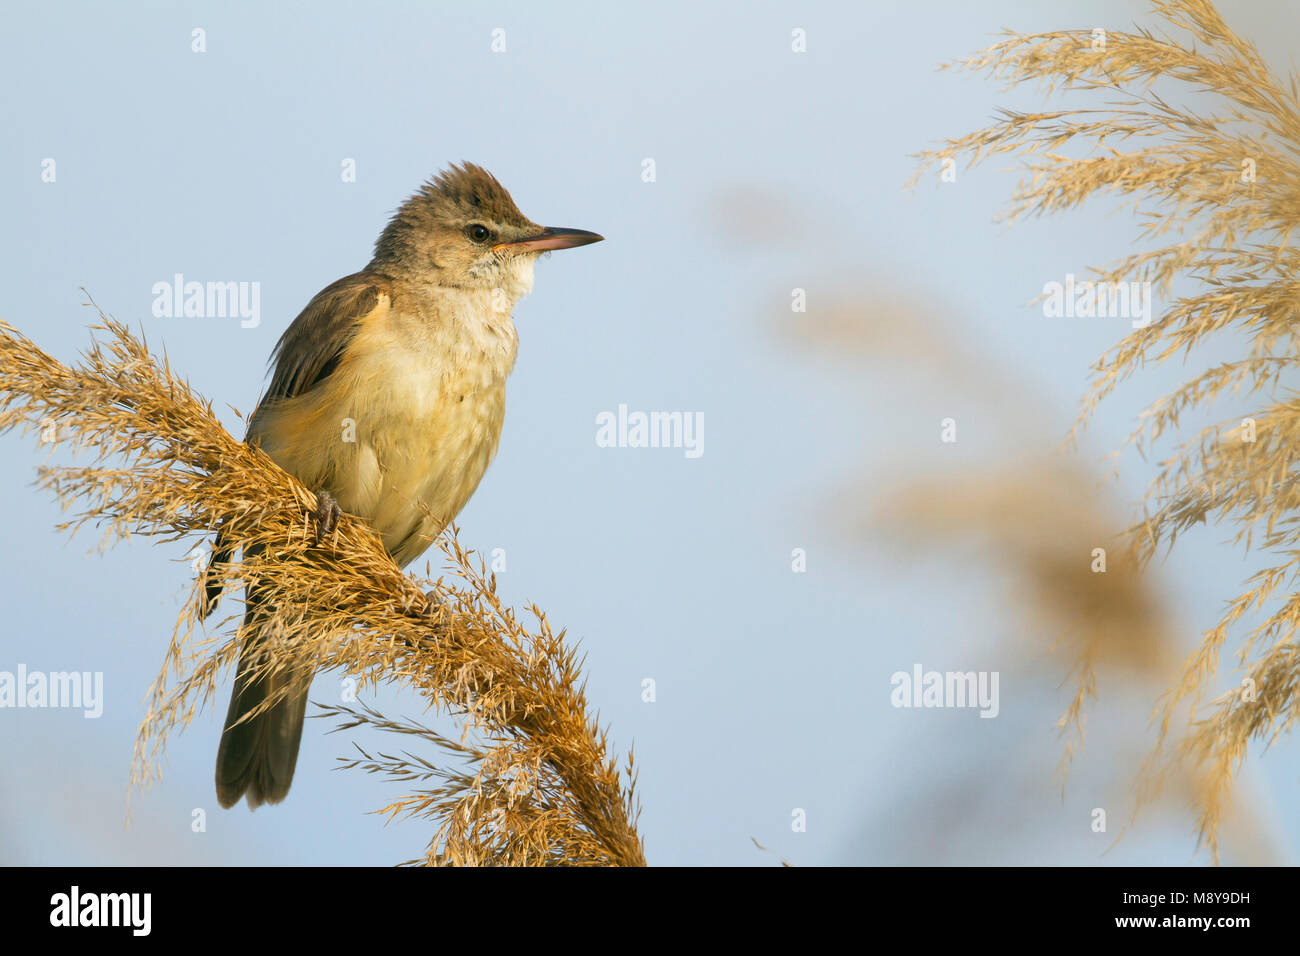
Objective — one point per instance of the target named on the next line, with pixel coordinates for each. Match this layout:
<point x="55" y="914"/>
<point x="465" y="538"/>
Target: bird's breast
<point x="403" y="430"/>
<point x="432" y="405"/>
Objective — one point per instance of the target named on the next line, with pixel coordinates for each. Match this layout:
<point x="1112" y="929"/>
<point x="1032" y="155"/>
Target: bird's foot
<point x="432" y="605"/>
<point x="327" y="514"/>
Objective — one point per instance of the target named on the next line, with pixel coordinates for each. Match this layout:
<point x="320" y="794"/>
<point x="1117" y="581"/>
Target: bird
<point x="413" y="353"/>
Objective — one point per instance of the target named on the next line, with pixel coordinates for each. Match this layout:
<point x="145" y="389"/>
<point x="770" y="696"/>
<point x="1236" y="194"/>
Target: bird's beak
<point x="551" y="237"/>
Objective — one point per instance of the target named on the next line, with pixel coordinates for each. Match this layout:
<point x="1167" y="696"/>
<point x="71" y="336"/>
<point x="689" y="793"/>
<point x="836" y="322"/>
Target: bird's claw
<point x="327" y="514"/>
<point x="432" y="604"/>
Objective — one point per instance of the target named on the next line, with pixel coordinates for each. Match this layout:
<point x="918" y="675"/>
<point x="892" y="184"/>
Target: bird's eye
<point x="479" y="233"/>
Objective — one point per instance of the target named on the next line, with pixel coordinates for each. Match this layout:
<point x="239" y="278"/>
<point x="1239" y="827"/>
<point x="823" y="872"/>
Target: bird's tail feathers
<point x="258" y="753"/>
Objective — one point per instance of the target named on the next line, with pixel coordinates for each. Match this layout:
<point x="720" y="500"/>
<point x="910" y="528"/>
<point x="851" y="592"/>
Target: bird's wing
<point x="304" y="357"/>
<point x="311" y="347"/>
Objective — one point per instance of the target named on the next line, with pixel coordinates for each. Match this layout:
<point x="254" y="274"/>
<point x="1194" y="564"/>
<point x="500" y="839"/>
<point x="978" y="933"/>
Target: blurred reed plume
<point x="535" y="784"/>
<point x="1043" y="518"/>
<point x="1093" y="617"/>
<point x="1224" y="178"/>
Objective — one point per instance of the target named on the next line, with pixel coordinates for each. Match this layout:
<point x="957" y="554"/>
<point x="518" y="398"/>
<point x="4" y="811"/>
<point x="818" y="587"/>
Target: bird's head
<point x="463" y="230"/>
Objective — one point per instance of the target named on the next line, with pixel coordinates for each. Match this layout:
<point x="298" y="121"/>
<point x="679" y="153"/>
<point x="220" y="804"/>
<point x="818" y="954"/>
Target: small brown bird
<point x="413" y="351"/>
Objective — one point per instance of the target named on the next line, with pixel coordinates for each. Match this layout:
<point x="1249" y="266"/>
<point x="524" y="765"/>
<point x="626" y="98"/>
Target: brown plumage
<point x="388" y="397"/>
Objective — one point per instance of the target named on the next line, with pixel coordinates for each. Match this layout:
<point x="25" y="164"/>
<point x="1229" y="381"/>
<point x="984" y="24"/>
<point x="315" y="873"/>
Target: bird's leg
<point x="327" y="514"/>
